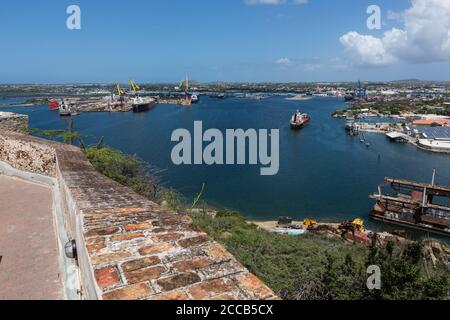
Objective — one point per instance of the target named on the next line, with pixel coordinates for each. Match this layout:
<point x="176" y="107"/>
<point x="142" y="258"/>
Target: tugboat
<point x="142" y="105"/>
<point x="53" y="105"/>
<point x="299" y="120"/>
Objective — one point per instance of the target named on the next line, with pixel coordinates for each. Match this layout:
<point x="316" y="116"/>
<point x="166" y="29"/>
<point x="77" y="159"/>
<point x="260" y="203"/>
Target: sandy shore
<point x="270" y="225"/>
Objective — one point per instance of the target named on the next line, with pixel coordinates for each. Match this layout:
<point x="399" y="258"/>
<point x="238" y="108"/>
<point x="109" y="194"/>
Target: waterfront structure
<point x="360" y="92"/>
<point x="430" y="122"/>
<point x="397" y="136"/>
<point x="435" y="139"/>
<point x="412" y="205"/>
<point x="434" y="145"/>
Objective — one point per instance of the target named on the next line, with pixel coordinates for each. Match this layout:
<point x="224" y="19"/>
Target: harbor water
<point x="324" y="173"/>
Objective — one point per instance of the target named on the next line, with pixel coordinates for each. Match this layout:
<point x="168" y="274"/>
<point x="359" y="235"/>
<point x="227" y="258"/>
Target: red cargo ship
<point x="299" y="120"/>
<point x="53" y="105"/>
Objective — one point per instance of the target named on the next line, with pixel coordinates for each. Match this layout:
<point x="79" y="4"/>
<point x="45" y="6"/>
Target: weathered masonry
<point x="128" y="247"/>
<point x="13" y="122"/>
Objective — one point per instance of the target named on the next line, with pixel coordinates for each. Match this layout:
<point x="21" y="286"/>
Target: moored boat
<point x="299" y="120"/>
<point x="142" y="105"/>
<point x="64" y="110"/>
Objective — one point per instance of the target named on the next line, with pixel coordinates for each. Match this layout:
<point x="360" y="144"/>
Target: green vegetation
<point x="396" y="107"/>
<point x="68" y="136"/>
<point x="407" y="275"/>
<point x="306" y="267"/>
<point x="315" y="267"/>
<point x="125" y="169"/>
<point x="36" y="101"/>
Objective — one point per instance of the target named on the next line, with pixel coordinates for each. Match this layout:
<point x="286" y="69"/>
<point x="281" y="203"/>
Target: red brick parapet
<point x="130" y="247"/>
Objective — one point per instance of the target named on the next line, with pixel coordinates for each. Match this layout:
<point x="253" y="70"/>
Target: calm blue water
<point x="324" y="173"/>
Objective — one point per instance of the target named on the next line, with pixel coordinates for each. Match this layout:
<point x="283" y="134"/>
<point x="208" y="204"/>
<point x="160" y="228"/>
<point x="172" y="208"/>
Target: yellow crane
<point x="133" y="86"/>
<point x="185" y="84"/>
<point x="120" y="92"/>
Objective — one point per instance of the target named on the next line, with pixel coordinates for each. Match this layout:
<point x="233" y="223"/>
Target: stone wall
<point x="128" y="246"/>
<point x="14" y="122"/>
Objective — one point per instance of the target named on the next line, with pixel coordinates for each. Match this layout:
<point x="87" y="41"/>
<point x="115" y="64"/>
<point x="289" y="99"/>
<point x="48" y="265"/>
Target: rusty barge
<point x="415" y="205"/>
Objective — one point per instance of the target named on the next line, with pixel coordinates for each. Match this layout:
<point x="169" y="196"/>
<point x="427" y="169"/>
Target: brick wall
<point x="128" y="246"/>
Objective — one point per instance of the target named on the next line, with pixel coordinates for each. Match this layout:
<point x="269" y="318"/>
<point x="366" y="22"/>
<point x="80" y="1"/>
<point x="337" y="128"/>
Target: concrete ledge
<point x="68" y="268"/>
<point x="128" y="246"/>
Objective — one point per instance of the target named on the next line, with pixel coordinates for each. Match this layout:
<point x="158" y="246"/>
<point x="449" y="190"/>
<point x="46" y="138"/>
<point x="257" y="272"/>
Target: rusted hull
<point x="417" y="226"/>
<point x="412" y="205"/>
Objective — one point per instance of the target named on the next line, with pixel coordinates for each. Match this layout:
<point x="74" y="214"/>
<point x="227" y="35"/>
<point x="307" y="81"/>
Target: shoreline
<point x="19" y="105"/>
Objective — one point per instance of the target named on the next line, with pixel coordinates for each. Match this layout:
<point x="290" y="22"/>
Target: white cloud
<point x="275" y="2"/>
<point x="424" y="38"/>
<point x="283" y="61"/>
<point x="366" y="49"/>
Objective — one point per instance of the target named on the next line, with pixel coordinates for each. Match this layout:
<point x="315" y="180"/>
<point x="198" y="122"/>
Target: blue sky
<point x="218" y="40"/>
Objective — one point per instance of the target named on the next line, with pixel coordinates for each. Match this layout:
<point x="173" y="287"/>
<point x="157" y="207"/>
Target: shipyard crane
<point x="133" y="86"/>
<point x="187" y="97"/>
<point x="185" y="84"/>
<point x="120" y="91"/>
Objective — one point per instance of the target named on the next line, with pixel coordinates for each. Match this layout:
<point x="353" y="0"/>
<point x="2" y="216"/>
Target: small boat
<point x="362" y="138"/>
<point x="53" y="105"/>
<point x="218" y="96"/>
<point x="194" y="98"/>
<point x="299" y="120"/>
<point x="142" y="105"/>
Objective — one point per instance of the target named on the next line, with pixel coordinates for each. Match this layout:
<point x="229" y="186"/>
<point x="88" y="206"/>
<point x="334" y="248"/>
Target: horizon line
<point x="218" y="81"/>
